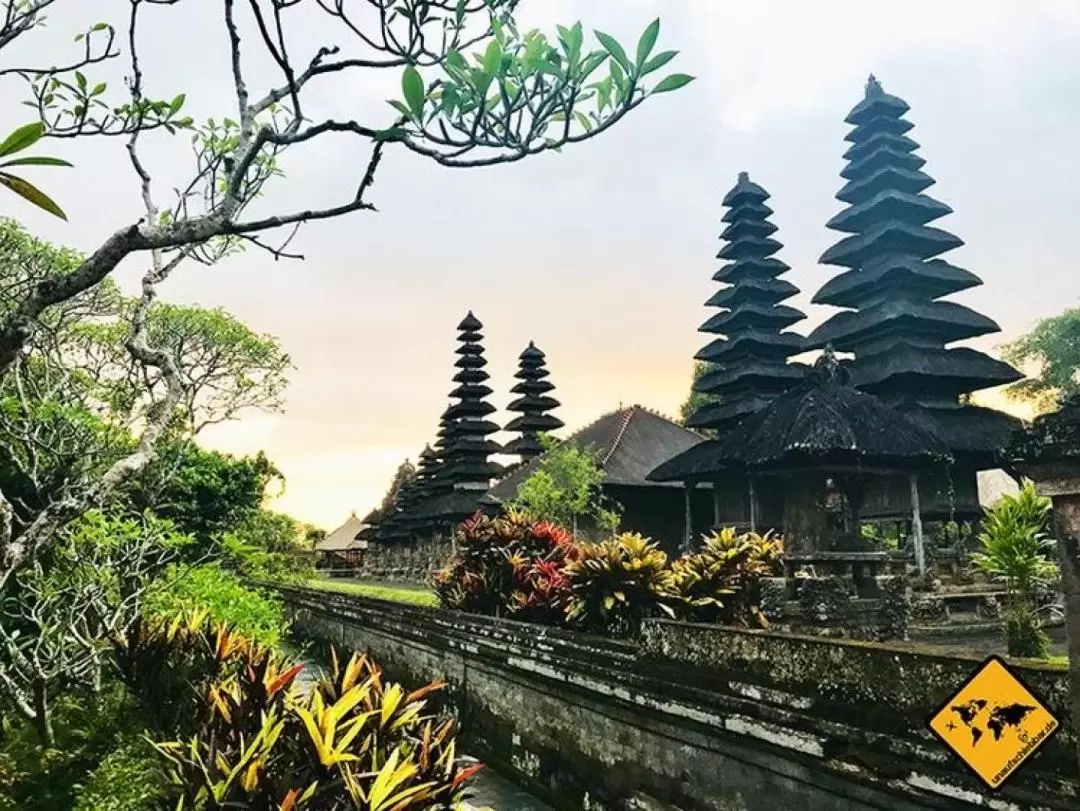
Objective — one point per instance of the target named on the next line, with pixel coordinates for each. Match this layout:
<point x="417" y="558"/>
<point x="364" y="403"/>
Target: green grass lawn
<point x="396" y="594"/>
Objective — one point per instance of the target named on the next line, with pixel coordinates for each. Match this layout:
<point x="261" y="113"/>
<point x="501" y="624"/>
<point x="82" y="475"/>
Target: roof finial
<point x="828" y="370"/>
<point x="744" y="177"/>
<point x="873" y="86"/>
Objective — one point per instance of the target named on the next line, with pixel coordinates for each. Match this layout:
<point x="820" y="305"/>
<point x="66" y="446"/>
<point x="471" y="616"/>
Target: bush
<point x="224" y="597"/>
<point x="1015" y="552"/>
<point x="619" y="582"/>
<point x="86" y="731"/>
<point x="508" y="566"/>
<point x="722" y="581"/>
<point x="130" y="778"/>
<point x="354" y="740"/>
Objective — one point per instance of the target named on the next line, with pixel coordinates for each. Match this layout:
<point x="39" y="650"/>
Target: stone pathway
<point x="491" y="791"/>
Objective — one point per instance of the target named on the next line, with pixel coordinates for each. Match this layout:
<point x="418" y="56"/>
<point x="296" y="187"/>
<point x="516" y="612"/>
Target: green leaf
<point x="98" y="89"/>
<point x="612" y="46"/>
<point x="31" y="193"/>
<point x="176" y="104"/>
<point x="412" y="86"/>
<point x="672" y="82"/>
<point x="22" y="138"/>
<point x="658" y="62"/>
<point x="80" y="80"/>
<point x="492" y="58"/>
<point x="647" y="42"/>
<point x="36" y="161"/>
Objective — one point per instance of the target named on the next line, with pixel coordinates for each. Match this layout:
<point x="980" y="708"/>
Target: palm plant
<point x="1016" y="552"/>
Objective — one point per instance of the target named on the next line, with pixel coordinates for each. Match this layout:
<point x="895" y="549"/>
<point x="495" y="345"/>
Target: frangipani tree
<point x="475" y="91"/>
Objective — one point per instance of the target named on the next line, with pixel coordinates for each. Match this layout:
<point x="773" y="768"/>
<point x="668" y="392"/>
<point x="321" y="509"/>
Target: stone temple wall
<point x="696" y="717"/>
<point x="413" y="564"/>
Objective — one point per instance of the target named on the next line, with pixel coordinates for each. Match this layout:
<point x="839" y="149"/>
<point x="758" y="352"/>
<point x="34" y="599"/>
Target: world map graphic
<point x="1000" y="718"/>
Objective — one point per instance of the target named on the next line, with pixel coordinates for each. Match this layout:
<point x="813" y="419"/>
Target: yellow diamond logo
<point x="994" y="723"/>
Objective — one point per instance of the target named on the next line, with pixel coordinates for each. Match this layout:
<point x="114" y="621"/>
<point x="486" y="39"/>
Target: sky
<point x="603" y="254"/>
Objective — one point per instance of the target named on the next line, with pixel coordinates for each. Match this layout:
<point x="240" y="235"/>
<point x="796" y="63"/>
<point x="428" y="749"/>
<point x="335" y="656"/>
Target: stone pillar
<point x="688" y="515"/>
<point x="1049" y="454"/>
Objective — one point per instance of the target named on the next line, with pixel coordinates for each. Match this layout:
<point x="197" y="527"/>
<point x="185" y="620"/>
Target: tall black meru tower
<point x="750" y="362"/>
<point x="532" y="404"/>
<point x="465" y="471"/>
<point x="895" y="325"/>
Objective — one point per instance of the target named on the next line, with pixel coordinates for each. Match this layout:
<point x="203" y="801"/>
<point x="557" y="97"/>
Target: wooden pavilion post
<point x="916" y="525"/>
<point x="688" y="514"/>
<point x="753" y="503"/>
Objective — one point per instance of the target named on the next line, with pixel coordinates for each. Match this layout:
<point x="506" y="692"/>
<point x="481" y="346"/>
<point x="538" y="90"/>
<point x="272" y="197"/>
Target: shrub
<point x="508" y="566"/>
<point x="1015" y="552"/>
<point x="354" y="740"/>
<point x="721" y="581"/>
<point x="223" y="596"/>
<point x="619" y="582"/>
<point x="130" y="778"/>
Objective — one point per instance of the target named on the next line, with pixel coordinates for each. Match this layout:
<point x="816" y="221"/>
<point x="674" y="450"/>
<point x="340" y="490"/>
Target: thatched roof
<point x="825" y="422"/>
<point x="343" y="538"/>
<point x="629" y="443"/>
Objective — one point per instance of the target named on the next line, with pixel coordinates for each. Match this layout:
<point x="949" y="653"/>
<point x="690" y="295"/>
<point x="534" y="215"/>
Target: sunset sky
<point x="602" y="254"/>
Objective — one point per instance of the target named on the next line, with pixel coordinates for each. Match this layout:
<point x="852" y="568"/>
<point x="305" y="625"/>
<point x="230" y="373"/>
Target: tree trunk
<point x="43" y="715"/>
<point x="1067" y="526"/>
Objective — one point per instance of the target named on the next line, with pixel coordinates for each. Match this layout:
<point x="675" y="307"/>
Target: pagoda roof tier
<point x="944" y="321"/>
<point x="474" y="376"/>
<point x="892" y="236"/>
<point x="751" y="267"/>
<point x="750" y="316"/>
<point x="882" y="139"/>
<point x="470" y="348"/>
<point x="747" y="211"/>
<point x="906" y="369"/>
<point x="749" y="246"/>
<point x="473" y="470"/>
<point x="468" y="446"/>
<point x="526" y="445"/>
<point x="912" y="181"/>
<point x="967" y="430"/>
<point x="470" y="323"/>
<point x="888" y="204"/>
<point x="753" y="290"/>
<point x="752" y="344"/>
<point x="933" y="278"/>
<point x="720" y="416"/>
<point x="879" y="159"/>
<point x="876" y="102"/>
<point x="470" y="391"/>
<point x="529" y="423"/>
<point x="745" y="190"/>
<point x="471" y="362"/>
<point x="475" y="427"/>
<point x="747" y="227"/>
<point x="473" y="408"/>
<point x="532" y="386"/>
<point x="470" y="337"/>
<point x="749" y="375"/>
<point x="533" y="402"/>
<point x="531" y="372"/>
<point x="881" y="123"/>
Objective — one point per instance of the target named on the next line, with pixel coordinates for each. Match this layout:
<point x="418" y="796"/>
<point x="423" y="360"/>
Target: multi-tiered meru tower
<point x="533" y="403"/>
<point x="749" y="363"/>
<point x="896" y="325"/>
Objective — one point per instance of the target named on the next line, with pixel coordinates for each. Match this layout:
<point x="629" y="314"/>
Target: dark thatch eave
<point x="891" y="236"/>
<point x="945" y="321"/>
<point x="934" y="278"/>
<point x="967" y="429"/>
<point x="950" y="371"/>
<point x="823" y="423"/>
<point x="889" y="204"/>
